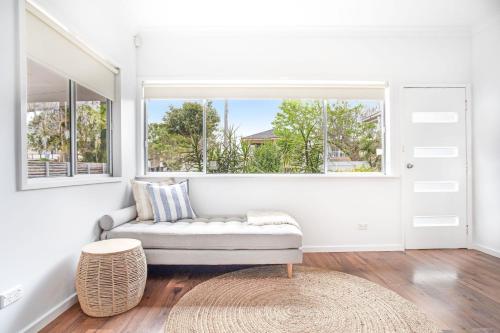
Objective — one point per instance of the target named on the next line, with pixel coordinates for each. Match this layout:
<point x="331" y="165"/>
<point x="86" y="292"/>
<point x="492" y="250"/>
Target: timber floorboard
<point x="458" y="289"/>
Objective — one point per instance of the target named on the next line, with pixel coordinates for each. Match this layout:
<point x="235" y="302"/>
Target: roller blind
<point x="316" y="91"/>
<point x="49" y="44"/>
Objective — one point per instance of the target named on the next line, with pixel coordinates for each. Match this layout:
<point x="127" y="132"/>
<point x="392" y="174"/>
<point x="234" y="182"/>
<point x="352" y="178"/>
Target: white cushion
<point x="141" y="197"/>
<point x="117" y="217"/>
<point x="209" y="234"/>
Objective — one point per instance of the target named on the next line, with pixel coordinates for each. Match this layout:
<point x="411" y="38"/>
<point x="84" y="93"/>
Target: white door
<point x="435" y="167"/>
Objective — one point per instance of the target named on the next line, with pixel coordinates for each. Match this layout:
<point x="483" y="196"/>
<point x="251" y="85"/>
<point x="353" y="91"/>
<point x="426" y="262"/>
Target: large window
<point x="265" y="135"/>
<point x="55" y="148"/>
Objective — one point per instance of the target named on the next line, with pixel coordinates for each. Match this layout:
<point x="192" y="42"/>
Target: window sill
<point x="339" y="175"/>
<point x="42" y="183"/>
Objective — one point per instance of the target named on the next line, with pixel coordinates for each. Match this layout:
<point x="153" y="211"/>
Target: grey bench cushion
<point x="209" y="234"/>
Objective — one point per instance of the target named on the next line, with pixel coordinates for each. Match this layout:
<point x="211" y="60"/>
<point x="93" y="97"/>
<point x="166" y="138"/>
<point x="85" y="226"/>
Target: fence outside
<point x="38" y="169"/>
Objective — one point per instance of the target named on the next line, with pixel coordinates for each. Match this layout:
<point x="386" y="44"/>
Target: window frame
<point x="23" y="181"/>
<point x="143" y="154"/>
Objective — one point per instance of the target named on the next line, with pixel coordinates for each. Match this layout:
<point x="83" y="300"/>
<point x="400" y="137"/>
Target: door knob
<point x="409" y="166"/>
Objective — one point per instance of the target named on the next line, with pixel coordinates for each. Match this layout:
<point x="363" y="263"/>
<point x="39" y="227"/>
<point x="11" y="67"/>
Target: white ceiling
<point x="144" y="14"/>
<point x="137" y="15"/>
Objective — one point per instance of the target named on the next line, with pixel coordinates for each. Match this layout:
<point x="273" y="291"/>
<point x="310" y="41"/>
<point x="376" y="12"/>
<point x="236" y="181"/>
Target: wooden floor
<point x="458" y="289"/>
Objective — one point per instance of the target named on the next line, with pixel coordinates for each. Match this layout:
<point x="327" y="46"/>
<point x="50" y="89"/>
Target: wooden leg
<point x="289" y="270"/>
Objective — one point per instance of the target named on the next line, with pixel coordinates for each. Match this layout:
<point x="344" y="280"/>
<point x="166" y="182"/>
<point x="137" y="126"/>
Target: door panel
<point x="434" y="172"/>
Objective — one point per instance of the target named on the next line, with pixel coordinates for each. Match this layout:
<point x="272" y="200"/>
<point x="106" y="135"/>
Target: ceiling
<point x="146" y="14"/>
<point x="138" y="15"/>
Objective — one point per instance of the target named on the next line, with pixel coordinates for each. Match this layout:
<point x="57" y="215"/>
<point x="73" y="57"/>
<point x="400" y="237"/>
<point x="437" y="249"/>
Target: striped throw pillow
<point x="170" y="202"/>
<point x="141" y="197"/>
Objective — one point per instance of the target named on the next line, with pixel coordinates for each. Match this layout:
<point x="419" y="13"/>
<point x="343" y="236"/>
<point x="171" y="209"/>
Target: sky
<point x="248" y="116"/>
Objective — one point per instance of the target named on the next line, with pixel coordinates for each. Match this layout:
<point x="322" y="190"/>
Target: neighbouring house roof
<point x="372" y="115"/>
<point x="266" y="135"/>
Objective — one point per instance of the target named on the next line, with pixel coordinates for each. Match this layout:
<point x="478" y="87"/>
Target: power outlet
<point x="10" y="296"/>
<point x="362" y="226"/>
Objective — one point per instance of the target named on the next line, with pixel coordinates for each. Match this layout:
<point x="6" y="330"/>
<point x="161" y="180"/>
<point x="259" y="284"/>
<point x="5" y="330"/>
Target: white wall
<point x="486" y="144"/>
<point x="328" y="209"/>
<point x="42" y="231"/>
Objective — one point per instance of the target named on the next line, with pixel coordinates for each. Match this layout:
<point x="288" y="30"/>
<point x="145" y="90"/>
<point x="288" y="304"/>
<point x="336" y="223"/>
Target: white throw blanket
<point x="265" y="217"/>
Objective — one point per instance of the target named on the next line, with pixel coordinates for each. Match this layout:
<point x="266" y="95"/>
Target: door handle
<point x="409" y="165"/>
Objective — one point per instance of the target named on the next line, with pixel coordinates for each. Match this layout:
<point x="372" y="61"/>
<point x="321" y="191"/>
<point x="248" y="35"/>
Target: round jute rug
<point x="262" y="299"/>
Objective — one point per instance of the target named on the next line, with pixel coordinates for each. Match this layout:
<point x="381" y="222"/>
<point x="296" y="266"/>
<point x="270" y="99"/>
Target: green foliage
<point x="348" y="132"/>
<point x="224" y="154"/>
<point x="266" y="158"/>
<point x="91" y="132"/>
<point x="47" y="130"/>
<point x="364" y="168"/>
<point x="185" y="125"/>
<point x="177" y="143"/>
<point x="299" y="129"/>
<point x="164" y="147"/>
<point x="246" y="157"/>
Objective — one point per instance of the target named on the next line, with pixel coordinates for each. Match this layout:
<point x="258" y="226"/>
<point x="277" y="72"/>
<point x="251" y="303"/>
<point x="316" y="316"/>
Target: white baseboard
<point x="487" y="250"/>
<point x="50" y="315"/>
<point x="353" y="248"/>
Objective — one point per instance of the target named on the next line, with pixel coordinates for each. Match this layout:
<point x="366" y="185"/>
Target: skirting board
<point x="487" y="250"/>
<point x="353" y="248"/>
<point x="50" y="315"/>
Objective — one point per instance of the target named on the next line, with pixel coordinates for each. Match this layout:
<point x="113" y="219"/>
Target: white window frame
<point x="143" y="123"/>
<point x="114" y="146"/>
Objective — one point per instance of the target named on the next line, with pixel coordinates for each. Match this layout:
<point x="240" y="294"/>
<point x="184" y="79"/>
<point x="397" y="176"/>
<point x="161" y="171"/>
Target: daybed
<point x="207" y="241"/>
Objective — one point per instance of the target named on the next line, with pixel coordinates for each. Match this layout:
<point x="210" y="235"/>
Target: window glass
<point x="48" y="123"/>
<point x="91" y="132"/>
<point x="354" y="132"/>
<point x="175" y="135"/>
<point x="265" y="136"/>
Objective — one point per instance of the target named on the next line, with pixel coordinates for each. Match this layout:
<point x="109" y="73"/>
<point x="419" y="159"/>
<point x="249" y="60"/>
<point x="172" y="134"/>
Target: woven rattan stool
<point x="111" y="276"/>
